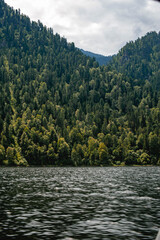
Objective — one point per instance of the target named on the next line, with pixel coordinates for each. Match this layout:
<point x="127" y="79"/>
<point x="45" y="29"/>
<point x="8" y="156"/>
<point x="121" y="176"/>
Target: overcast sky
<point x="100" y="26"/>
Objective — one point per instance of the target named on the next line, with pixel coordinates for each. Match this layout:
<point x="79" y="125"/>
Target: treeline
<point x="58" y="107"/>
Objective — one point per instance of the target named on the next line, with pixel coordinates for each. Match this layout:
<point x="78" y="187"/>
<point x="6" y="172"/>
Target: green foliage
<point x="51" y="155"/>
<point x="131" y="158"/>
<point x="144" y="159"/>
<point x="63" y="152"/>
<point x="154" y="145"/>
<point x="78" y="155"/>
<point x="2" y="154"/>
<point x="10" y="155"/>
<point x="104" y="158"/>
<point x="58" y="107"/>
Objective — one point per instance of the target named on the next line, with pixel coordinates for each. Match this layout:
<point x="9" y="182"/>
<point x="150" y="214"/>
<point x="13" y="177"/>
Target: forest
<point x="58" y="107"/>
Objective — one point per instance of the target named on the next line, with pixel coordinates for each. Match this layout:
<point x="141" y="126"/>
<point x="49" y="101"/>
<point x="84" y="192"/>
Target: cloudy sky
<point x="100" y="26"/>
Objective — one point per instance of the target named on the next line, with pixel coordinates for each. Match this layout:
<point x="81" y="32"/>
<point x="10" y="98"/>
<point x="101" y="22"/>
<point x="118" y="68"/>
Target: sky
<point x="99" y="26"/>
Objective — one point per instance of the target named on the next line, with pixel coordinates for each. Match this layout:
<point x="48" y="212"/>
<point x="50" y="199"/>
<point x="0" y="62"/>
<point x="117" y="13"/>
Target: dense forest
<point x="59" y="107"/>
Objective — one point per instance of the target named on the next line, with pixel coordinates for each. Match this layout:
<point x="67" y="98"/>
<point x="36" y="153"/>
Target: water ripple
<point x="79" y="203"/>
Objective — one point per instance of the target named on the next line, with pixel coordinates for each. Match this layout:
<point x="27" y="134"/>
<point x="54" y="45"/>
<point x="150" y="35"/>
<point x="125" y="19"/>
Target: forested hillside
<point x="58" y="107"/>
<point x="140" y="60"/>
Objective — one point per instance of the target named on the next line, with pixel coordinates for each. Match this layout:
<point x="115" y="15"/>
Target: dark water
<point x="79" y="203"/>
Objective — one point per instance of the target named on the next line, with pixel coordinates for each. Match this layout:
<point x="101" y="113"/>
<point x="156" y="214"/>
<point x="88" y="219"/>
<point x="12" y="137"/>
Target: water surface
<point x="79" y="203"/>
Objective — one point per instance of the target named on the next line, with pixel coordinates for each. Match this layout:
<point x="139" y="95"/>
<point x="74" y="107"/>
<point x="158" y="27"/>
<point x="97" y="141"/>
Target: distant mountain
<point x="102" y="60"/>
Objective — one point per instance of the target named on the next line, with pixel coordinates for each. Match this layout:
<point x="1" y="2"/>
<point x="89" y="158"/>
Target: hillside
<point x="141" y="59"/>
<point x="58" y="107"/>
<point x="102" y="60"/>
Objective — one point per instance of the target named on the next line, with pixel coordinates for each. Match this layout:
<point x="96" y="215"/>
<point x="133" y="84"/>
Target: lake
<point x="109" y="203"/>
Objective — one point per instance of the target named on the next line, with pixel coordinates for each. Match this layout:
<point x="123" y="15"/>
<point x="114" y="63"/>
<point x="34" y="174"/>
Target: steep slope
<point x="141" y="59"/>
<point x="57" y="107"/>
<point x="102" y="60"/>
<point x="36" y="68"/>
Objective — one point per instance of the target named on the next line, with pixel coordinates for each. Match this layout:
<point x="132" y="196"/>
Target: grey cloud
<point x="101" y="26"/>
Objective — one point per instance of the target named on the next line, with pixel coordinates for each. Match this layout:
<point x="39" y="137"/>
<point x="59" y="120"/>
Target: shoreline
<point x="70" y="166"/>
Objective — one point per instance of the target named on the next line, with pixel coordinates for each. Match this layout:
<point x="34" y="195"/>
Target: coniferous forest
<point x="59" y="107"/>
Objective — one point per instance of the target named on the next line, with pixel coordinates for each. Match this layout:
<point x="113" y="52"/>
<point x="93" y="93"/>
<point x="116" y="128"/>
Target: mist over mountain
<point x="59" y="107"/>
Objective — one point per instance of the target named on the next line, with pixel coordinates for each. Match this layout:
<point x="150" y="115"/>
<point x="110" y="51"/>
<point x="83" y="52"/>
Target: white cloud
<point x="101" y="26"/>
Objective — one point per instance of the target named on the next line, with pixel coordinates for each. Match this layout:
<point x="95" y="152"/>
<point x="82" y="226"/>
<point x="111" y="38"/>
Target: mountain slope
<point x="57" y="107"/>
<point x="140" y="59"/>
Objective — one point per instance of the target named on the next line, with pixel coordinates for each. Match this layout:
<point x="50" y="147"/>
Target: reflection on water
<point x="79" y="203"/>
